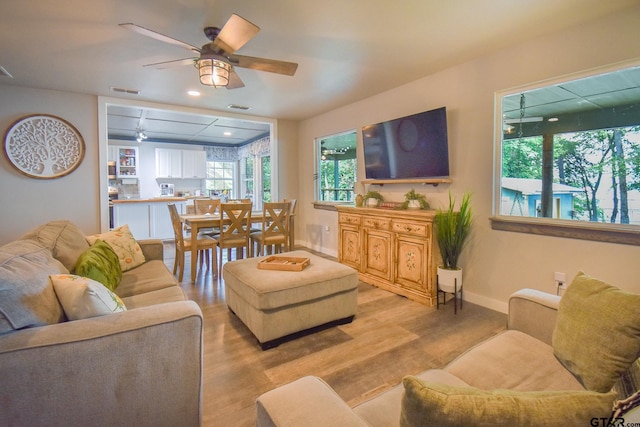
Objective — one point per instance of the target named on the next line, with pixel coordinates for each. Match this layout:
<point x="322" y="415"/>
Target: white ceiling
<point x="346" y="50"/>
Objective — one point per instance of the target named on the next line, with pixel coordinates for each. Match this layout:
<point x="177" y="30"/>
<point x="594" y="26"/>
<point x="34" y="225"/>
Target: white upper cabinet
<point x="194" y="164"/>
<point x="168" y="163"/>
<point x="189" y="164"/>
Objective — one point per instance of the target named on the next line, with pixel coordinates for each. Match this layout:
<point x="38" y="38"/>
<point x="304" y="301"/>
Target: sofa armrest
<point x="533" y="312"/>
<point x="152" y="249"/>
<point x="139" y="367"/>
<point x="308" y="402"/>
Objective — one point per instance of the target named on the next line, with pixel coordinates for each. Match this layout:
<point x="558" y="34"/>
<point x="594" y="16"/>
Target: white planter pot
<point x="450" y="280"/>
<point x="372" y="203"/>
<point x="414" y="204"/>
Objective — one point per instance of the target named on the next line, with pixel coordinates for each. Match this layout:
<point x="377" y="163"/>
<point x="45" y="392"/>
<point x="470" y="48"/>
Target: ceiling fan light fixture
<point x="213" y="72"/>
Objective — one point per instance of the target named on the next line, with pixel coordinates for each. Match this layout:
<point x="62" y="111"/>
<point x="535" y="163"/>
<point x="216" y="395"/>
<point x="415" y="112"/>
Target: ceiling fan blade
<point x="169" y="64"/>
<point x="234" y="80"/>
<point x="155" y="35"/>
<point x="235" y="33"/>
<point x="264" y="64"/>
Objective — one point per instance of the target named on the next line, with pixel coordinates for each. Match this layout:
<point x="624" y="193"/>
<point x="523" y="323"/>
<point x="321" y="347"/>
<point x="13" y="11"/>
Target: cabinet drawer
<point x="415" y="229"/>
<point x="377" y="223"/>
<point x="350" y="219"/>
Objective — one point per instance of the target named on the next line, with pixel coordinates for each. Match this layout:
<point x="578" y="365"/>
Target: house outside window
<point x="336" y="167"/>
<point x="571" y="150"/>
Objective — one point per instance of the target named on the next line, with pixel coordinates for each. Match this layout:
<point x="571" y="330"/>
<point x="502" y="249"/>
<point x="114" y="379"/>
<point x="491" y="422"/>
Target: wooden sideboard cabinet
<point x="391" y="249"/>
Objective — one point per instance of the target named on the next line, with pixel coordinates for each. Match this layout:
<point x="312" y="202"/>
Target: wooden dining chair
<point x="235" y="227"/>
<point x="183" y="245"/>
<point x="292" y="227"/>
<point x="207" y="207"/>
<point x="275" y="228"/>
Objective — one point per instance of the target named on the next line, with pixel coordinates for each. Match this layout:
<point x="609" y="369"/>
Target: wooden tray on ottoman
<point x="286" y="263"/>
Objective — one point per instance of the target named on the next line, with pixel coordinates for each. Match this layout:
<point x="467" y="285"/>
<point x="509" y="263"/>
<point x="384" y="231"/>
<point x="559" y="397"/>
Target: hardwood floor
<point x="389" y="338"/>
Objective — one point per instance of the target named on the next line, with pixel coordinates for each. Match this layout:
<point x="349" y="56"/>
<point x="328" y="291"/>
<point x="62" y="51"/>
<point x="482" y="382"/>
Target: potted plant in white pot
<point x="413" y="200"/>
<point x="372" y="199"/>
<point x="452" y="230"/>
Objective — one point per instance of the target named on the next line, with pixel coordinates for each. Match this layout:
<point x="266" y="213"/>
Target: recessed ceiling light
<point x="227" y="133"/>
<point x="194" y="93"/>
<point x="553" y="119"/>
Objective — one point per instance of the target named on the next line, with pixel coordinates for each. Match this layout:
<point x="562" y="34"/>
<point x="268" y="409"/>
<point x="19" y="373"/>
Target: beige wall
<point x="27" y="202"/>
<point x="496" y="263"/>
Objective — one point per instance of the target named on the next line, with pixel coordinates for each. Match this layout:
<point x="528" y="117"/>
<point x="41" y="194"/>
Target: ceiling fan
<point x="217" y="59"/>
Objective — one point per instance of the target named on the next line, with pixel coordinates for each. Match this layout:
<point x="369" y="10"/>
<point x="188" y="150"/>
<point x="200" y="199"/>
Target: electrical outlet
<point x="326" y="228"/>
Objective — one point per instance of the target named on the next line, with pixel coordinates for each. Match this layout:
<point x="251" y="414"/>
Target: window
<point x="570" y="151"/>
<point x="220" y="179"/>
<point x="247" y="178"/>
<point x="336" y="167"/>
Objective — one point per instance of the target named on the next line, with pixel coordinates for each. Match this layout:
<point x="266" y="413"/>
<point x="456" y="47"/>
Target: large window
<point x="220" y="179"/>
<point x="571" y="151"/>
<point x="337" y="167"/>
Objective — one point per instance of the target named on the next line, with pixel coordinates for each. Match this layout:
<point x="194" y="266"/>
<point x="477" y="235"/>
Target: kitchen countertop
<point x="152" y="200"/>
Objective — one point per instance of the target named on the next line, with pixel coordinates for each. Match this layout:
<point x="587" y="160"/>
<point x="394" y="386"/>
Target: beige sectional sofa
<point x="556" y="364"/>
<point x="142" y="366"/>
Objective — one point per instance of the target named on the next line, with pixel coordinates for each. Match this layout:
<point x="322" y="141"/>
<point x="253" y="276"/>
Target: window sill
<point x="610" y="233"/>
<point x="330" y="206"/>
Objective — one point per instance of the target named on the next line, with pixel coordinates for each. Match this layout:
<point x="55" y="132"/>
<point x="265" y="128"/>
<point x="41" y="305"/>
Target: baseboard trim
<point x="501" y="306"/>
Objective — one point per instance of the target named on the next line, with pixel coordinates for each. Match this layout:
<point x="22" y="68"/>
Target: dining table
<point x="202" y="221"/>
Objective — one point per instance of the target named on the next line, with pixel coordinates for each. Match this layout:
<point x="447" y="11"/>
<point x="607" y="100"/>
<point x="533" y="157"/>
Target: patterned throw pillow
<point x="82" y="297"/>
<point x="123" y="244"/>
<point x="101" y="264"/>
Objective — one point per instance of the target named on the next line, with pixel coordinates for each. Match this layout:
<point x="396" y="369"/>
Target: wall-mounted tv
<point x="415" y="146"/>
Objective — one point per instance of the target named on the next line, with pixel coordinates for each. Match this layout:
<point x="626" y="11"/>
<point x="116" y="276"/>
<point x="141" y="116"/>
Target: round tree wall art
<point x="44" y="146"/>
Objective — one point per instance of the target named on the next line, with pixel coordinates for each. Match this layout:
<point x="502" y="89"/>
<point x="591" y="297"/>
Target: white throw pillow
<point x="123" y="244"/>
<point x="82" y="297"/>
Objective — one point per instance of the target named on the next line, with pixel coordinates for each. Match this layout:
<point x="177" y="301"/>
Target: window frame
<point x="317" y="175"/>
<point x="595" y="231"/>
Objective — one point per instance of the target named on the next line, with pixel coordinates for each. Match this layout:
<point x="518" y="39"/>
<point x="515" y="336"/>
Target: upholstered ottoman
<point x="278" y="305"/>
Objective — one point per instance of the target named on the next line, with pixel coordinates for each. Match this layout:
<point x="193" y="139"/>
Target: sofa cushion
<point x="101" y="264"/>
<point x="148" y="277"/>
<point x="513" y="360"/>
<point x="27" y="297"/>
<point x="435" y="404"/>
<point x="597" y="335"/>
<point x="159" y="296"/>
<point x="63" y="238"/>
<point x="384" y="409"/>
<point x="123" y="244"/>
<point x="82" y="297"/>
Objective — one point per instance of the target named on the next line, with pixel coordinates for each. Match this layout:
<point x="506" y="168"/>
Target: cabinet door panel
<point x="349" y="249"/>
<point x="378" y="257"/>
<point x="136" y="215"/>
<point x="411" y="268"/>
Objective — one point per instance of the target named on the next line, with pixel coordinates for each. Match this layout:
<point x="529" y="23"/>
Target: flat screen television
<point x="415" y="146"/>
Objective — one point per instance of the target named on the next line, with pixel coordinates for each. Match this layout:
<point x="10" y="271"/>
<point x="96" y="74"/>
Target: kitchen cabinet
<point x="186" y="164"/>
<point x="392" y="249"/>
<point x="147" y="219"/>
<point x="112" y="153"/>
<point x="194" y="164"/>
<point x="135" y="215"/>
<point x="127" y="162"/>
<point x="168" y="163"/>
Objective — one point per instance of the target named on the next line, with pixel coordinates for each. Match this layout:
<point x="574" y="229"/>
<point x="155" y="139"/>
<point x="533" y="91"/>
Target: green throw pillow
<point x="101" y="264"/>
<point x="597" y="334"/>
<point x="435" y="404"/>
